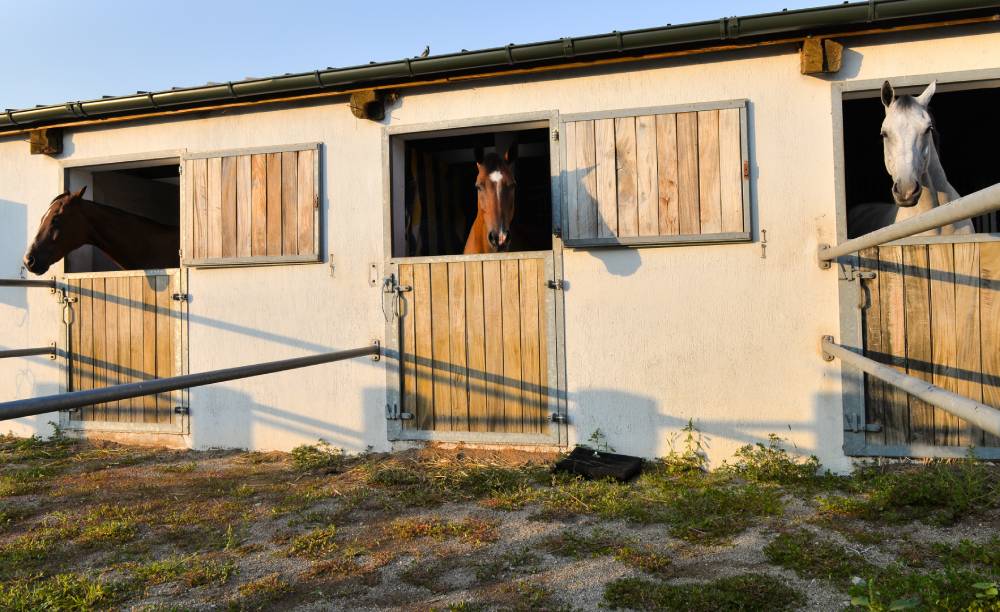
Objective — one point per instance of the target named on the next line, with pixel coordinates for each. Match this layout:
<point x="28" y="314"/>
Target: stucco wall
<point x="655" y="337"/>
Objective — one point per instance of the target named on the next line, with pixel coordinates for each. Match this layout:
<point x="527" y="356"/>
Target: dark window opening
<point x="148" y="190"/>
<point x="963" y="142"/>
<point x="440" y="199"/>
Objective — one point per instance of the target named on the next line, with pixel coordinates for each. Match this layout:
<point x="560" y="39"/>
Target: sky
<point x="61" y="50"/>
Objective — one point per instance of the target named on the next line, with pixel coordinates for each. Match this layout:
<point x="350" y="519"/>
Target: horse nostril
<point x="493" y="238"/>
<point x="29" y="260"/>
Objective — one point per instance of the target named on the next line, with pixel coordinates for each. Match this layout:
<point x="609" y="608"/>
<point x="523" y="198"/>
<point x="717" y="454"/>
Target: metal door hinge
<point x="555" y="135"/>
<point x="182" y="410"/>
<point x="555" y="284"/>
<point x="746" y="168"/>
<point x="180" y="297"/>
<point x="853" y="424"/>
<point x="555" y="417"/>
<point x="392" y="413"/>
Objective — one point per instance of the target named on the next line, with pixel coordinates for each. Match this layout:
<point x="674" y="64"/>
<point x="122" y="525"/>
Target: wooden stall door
<point x="126" y="327"/>
<point x="932" y="311"/>
<point x="475" y="341"/>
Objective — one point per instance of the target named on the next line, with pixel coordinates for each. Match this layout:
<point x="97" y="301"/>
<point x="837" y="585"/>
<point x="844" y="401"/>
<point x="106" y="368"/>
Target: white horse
<point x="918" y="180"/>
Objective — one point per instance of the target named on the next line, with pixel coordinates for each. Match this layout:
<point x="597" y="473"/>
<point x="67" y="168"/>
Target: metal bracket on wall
<point x="378" y="345"/>
<point x="822" y="340"/>
<point x="853" y="423"/>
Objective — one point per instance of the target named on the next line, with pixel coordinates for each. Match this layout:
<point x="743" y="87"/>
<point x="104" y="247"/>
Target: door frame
<point x="850" y="291"/>
<point x="393" y="138"/>
<point x="181" y="357"/>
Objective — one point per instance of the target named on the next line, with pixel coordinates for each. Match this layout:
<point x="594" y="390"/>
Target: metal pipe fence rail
<point x="981" y="415"/>
<point x="975" y="204"/>
<point x="25" y="282"/>
<point x="29" y="352"/>
<point x="77" y="399"/>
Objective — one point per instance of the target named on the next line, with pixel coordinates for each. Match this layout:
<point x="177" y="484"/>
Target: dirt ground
<point x="107" y="526"/>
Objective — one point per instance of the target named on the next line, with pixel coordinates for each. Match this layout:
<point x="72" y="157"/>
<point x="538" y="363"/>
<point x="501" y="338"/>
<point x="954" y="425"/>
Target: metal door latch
<point x="180" y="297"/>
<point x="555" y="284"/>
<point x="562" y="419"/>
<point x="853" y="423"/>
<point x="392" y="413"/>
<point x="182" y="410"/>
<point x="851" y="272"/>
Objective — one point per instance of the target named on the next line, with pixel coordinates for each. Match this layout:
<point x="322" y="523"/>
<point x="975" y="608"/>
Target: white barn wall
<point x="654" y="337"/>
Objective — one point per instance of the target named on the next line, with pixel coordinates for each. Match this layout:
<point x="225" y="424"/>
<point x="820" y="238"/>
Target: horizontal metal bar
<point x="28" y="352"/>
<point x="76" y="399"/>
<point x="981" y="415"/>
<point x="972" y="205"/>
<point x="24" y="282"/>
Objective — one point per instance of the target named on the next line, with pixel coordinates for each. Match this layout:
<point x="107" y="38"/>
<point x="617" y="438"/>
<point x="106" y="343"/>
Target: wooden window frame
<point x="255" y="260"/>
<point x="661" y="240"/>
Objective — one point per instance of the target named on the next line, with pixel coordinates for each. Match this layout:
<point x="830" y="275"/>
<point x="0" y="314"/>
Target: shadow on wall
<point x="12" y="248"/>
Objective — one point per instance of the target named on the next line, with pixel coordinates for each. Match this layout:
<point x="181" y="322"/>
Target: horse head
<point x="495" y="186"/>
<point x="62" y="230"/>
<point x="907" y="141"/>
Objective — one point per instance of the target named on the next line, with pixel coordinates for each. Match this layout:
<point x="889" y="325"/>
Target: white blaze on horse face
<point x="907" y="142"/>
<point x="497" y="177"/>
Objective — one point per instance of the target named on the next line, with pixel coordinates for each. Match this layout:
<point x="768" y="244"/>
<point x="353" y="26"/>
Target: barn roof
<point x="849" y="18"/>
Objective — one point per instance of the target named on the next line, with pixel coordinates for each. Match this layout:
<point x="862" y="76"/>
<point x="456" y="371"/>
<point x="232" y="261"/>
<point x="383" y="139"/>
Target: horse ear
<point x="79" y="194"/>
<point x="925" y="98"/>
<point x="888" y="95"/>
<point x="511" y="155"/>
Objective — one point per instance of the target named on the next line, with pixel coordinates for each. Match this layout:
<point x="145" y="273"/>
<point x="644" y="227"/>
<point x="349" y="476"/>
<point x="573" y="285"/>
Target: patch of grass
<point x="938" y="492"/>
<point x="471" y="530"/>
<point x="516" y="562"/>
<point x="713" y="514"/>
<point x="192" y="570"/>
<point x="24" y="481"/>
<point x="950" y="589"/>
<point x="428" y="573"/>
<point x="25" y="450"/>
<point x="770" y="463"/>
<point x="812" y="557"/>
<point x="646" y="560"/>
<point x="61" y="592"/>
<point x="315" y="544"/>
<point x="984" y="557"/>
<point x="601" y="542"/>
<point x="179" y="468"/>
<point x="527" y="596"/>
<point x="319" y="456"/>
<point x="11" y="514"/>
<point x="746" y="592"/>
<point x="264" y="590"/>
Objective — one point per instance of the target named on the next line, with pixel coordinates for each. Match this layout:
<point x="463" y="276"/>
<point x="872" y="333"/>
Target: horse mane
<point x="121" y="212"/>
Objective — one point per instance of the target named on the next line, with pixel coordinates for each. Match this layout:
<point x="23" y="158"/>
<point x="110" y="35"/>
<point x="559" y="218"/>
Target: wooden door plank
<point x="572" y="181"/>
<point x="586" y="180"/>
<point x="441" y="347"/>
<point x="258" y="204"/>
<point x="199" y="176"/>
<point x="709" y="198"/>
<point x="188" y="216"/>
<point x="148" y="345"/>
<point x="666" y="174"/>
<point x="86" y="343"/>
<point x="136" y="342"/>
<point x="494" y="336"/>
<point x="544" y="395"/>
<point x="476" y="345"/>
<point x="124" y="345"/>
<point x="730" y="170"/>
<point x="874" y="349"/>
<point x="214" y="190"/>
<point x="967" y="330"/>
<point x="944" y="339"/>
<point x="307" y="202"/>
<point x="423" y="339"/>
<point x="289" y="203"/>
<point x="989" y="317"/>
<point x="457" y="333"/>
<point x="688" y="216"/>
<point x="627" y="184"/>
<point x="100" y="345"/>
<point x="606" y="170"/>
<point x="510" y="296"/>
<point x="646" y="175"/>
<point x="409" y="346"/>
<point x="164" y="345"/>
<point x="244" y="206"/>
<point x="528" y="285"/>
<point x="273" y="204"/>
<point x="111" y="325"/>
<point x="228" y="198"/>
<point x="896" y="409"/>
<point x="916" y="295"/>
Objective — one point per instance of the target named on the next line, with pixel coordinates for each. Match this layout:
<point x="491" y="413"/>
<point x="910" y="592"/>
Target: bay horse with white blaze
<point x="495" y="188"/>
<point x="131" y="241"/>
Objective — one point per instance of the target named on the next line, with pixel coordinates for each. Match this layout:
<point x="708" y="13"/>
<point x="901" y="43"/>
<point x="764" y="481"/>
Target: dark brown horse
<point x="495" y="187"/>
<point x="133" y="242"/>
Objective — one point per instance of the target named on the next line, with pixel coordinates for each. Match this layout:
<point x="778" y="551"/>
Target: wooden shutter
<point x="251" y="207"/>
<point x="657" y="176"/>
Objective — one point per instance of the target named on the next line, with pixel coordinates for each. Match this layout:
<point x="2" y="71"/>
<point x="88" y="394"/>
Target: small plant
<point x="472" y="530"/>
<point x="60" y="592"/>
<point x="712" y="514"/>
<point x="692" y="458"/>
<point x="315" y="544"/>
<point x="599" y="442"/>
<point x="813" y="557"/>
<point x="522" y="561"/>
<point x="265" y="589"/>
<point x="319" y="456"/>
<point x="950" y="589"/>
<point x="771" y="463"/>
